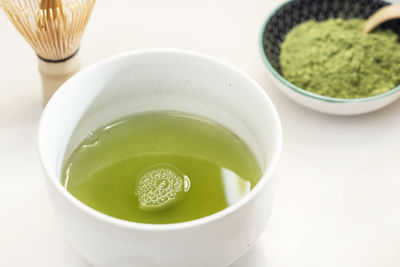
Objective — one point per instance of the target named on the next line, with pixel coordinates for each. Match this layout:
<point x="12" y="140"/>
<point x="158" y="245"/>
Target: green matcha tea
<point x="161" y="167"/>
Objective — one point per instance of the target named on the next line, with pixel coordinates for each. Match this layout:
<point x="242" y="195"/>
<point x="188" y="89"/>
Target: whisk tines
<point x="52" y="27"/>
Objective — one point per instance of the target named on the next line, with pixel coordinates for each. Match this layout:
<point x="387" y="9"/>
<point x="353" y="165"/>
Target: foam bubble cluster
<point x="161" y="186"/>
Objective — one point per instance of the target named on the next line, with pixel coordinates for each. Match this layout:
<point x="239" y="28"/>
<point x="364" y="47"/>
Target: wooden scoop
<point x="383" y="14"/>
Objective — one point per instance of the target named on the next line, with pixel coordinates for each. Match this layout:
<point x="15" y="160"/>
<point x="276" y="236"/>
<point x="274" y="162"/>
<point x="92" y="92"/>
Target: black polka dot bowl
<point x="294" y="12"/>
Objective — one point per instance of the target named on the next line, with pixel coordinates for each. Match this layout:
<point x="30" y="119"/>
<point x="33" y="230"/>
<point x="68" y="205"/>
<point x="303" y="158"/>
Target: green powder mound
<point x="334" y="58"/>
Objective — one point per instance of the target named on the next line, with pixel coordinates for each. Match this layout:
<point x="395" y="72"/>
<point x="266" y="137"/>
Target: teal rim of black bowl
<point x="305" y="92"/>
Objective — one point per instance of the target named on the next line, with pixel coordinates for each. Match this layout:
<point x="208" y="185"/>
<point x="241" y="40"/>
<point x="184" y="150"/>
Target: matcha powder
<point x="334" y="58"/>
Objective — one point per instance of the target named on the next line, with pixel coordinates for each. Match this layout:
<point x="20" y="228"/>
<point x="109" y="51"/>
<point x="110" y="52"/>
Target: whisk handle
<point x="55" y="74"/>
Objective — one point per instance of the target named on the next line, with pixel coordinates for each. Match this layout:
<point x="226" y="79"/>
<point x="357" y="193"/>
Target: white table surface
<point x="338" y="196"/>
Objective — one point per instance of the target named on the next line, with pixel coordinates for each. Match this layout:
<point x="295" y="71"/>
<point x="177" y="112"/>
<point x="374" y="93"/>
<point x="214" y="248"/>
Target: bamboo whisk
<point x="54" y="29"/>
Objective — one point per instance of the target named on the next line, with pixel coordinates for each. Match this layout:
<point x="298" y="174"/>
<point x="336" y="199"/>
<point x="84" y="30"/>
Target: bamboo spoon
<point x="383" y="14"/>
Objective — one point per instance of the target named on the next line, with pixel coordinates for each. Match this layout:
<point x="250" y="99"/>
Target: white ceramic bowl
<point x="288" y="13"/>
<point x="160" y="80"/>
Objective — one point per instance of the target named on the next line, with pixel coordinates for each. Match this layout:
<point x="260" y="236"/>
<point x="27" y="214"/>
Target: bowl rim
<point x="53" y="178"/>
<point x="304" y="92"/>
